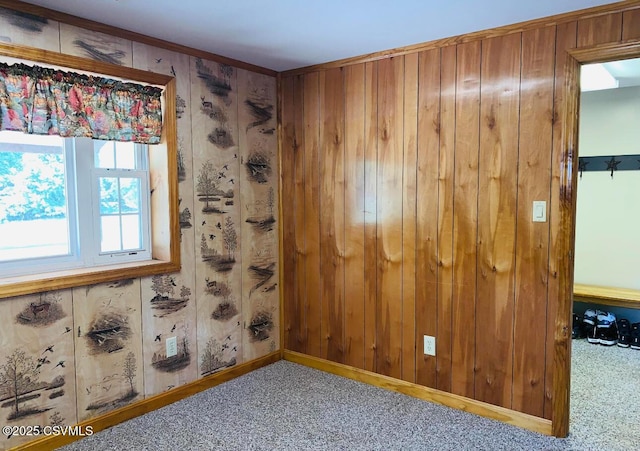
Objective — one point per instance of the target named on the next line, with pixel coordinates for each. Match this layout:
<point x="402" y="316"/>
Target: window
<point x="163" y="242"/>
<point x="71" y="203"/>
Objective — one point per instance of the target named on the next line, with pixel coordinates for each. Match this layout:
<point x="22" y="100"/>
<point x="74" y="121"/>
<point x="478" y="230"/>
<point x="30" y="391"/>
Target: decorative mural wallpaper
<point x="26" y="29"/>
<point x="108" y="346"/>
<point x="259" y="198"/>
<point x="96" y="46"/>
<point x="77" y="354"/>
<point x="216" y="173"/>
<point x="37" y="377"/>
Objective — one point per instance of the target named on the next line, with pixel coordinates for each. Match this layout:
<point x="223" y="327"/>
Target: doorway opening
<point x="573" y="237"/>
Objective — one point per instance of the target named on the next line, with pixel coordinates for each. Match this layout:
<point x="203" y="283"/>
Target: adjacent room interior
<point x="403" y="218"/>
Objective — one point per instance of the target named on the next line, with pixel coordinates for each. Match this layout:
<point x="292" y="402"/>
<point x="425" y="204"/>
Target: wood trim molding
<point x="280" y="210"/>
<point x="150" y="404"/>
<point x="508" y="416"/>
<point x="131" y="35"/>
<point x="618" y="297"/>
<point x="566" y="236"/>
<point x="606" y="52"/>
<point x="474" y="36"/>
<point x="566" y="244"/>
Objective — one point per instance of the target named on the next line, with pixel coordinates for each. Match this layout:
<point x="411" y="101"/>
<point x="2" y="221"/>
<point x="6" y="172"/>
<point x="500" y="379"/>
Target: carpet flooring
<point x="286" y="406"/>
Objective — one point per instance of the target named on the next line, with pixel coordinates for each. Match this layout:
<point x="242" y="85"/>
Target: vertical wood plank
<point x="445" y="217"/>
<point x="389" y="233"/>
<point x="312" y="212"/>
<point x="40" y="343"/>
<point x="498" y="165"/>
<point x="259" y="204"/>
<point x="565" y="39"/>
<point x="288" y="214"/>
<point x="332" y="213"/>
<point x="631" y="25"/>
<point x="215" y="135"/>
<point x="370" y="214"/>
<point x="299" y="209"/>
<point x="409" y="194"/>
<point x="354" y="215"/>
<point x="465" y="218"/>
<point x="181" y="323"/>
<point x="600" y="30"/>
<point x="427" y="211"/>
<point x="532" y="239"/>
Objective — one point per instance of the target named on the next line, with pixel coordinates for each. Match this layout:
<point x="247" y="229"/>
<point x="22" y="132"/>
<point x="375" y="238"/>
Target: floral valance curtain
<point x="47" y="101"/>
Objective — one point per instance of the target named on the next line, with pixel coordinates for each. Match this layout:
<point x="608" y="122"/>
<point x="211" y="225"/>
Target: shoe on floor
<point x="578" y="331"/>
<point x="592" y="334"/>
<point x="624" y="333"/>
<point x="635" y="336"/>
<point x="590" y="316"/>
<point x="607" y="328"/>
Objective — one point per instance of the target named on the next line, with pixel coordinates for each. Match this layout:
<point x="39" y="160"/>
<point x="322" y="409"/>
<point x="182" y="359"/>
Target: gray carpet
<point x="286" y="406"/>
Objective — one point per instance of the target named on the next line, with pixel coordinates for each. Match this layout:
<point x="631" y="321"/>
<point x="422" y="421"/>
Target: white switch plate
<point x="172" y="346"/>
<point x="429" y="345"/>
<point x="539" y="211"/>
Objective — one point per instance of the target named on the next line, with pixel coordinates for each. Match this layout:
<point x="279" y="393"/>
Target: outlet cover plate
<point x="172" y="346"/>
<point x="429" y="345"/>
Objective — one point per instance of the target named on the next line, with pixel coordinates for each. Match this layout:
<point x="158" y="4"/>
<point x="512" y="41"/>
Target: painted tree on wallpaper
<point x="181" y="360"/>
<point x="213" y="357"/>
<point x="104" y="399"/>
<point x="20" y="382"/>
<point x="129" y="372"/>
<point x="218" y="261"/>
<point x="230" y="238"/>
<point x="263" y="220"/>
<point x="164" y="301"/>
<point x="208" y="187"/>
<point x="226" y="309"/>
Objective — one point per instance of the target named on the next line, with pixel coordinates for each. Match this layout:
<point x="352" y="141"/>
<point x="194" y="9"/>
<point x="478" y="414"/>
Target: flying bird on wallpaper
<point x="93" y="52"/>
<point x="262" y="114"/>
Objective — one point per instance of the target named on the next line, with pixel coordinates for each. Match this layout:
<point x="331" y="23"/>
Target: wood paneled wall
<point x="411" y="180"/>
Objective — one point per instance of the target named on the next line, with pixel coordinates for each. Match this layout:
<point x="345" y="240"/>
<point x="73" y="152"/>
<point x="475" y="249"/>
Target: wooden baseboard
<point x="152" y="403"/>
<point x="509" y="416"/>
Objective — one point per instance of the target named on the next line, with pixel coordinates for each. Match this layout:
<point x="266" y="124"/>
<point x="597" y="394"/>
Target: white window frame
<point x="82" y="192"/>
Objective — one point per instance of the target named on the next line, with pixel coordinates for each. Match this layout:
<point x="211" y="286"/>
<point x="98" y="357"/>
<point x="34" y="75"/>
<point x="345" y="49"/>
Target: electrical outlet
<point x="172" y="346"/>
<point x="429" y="345"/>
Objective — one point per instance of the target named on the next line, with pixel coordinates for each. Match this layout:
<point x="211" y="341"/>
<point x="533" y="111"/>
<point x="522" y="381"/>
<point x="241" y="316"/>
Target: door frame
<point x="567" y="206"/>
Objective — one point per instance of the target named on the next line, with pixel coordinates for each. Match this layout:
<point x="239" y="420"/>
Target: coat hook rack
<point x="610" y="163"/>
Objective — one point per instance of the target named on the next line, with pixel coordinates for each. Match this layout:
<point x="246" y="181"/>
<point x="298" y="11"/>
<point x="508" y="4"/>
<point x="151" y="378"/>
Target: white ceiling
<point x="288" y="34"/>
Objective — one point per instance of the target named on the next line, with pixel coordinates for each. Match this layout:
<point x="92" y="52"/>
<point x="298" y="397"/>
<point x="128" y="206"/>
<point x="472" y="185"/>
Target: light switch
<point x="539" y="211"/>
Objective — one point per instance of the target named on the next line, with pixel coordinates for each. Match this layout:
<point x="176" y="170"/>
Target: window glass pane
<point x="104" y="154"/>
<point x="129" y="195"/>
<point x="33" y="199"/>
<point x="131" y="232"/>
<point x="109" y="196"/>
<point x="110" y="231"/>
<point x="125" y="155"/>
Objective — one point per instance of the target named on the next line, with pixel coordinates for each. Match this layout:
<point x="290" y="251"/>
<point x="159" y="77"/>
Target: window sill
<point x="58" y="280"/>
